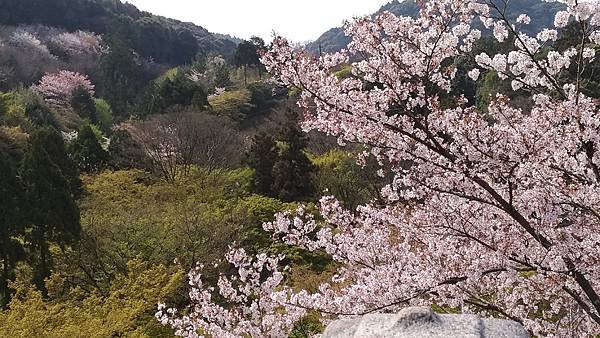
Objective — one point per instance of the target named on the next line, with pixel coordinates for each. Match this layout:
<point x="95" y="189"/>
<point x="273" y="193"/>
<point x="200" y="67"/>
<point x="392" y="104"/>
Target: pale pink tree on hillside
<point x="498" y="212"/>
<point x="57" y="88"/>
<point x="79" y="42"/>
<point x="25" y="40"/>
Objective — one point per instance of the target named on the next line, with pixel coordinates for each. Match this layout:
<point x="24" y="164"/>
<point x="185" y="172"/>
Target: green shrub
<point x="12" y="112"/>
<point x="235" y="104"/>
<point x="104" y="115"/>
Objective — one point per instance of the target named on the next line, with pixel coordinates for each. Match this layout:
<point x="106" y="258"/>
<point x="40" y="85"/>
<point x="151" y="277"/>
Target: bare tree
<point x="177" y="142"/>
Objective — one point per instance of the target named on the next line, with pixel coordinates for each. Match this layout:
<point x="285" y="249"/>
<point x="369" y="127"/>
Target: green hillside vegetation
<point x="139" y="235"/>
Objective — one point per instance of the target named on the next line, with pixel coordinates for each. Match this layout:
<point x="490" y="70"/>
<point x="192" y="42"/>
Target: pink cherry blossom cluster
<point x="497" y="213"/>
<point x="253" y="306"/>
<point x="57" y="88"/>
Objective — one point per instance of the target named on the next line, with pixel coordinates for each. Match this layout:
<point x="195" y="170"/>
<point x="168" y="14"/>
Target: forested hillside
<point x="162" y="39"/>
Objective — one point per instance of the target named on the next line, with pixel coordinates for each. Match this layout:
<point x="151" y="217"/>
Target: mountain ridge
<point x="163" y="39"/>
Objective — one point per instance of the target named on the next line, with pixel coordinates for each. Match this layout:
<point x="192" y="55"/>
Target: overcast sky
<point x="298" y="20"/>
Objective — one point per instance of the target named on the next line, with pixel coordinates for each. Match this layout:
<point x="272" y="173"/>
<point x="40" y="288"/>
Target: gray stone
<point x="422" y="322"/>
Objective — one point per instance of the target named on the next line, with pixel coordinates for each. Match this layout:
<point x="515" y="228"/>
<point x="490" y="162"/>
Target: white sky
<point x="298" y="20"/>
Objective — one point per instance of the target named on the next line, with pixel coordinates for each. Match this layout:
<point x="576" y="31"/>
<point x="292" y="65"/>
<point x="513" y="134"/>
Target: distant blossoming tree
<point x="496" y="212"/>
<point x="79" y="42"/>
<point x="57" y="88"/>
<point x="25" y="40"/>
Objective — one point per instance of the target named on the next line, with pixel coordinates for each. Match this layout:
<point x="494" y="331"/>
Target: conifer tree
<point x="54" y="216"/>
<point x="83" y="104"/>
<point x="282" y="169"/>
<point x="292" y="172"/>
<point x="261" y="158"/>
<point x="53" y="143"/>
<point x="87" y="152"/>
<point x="11" y="227"/>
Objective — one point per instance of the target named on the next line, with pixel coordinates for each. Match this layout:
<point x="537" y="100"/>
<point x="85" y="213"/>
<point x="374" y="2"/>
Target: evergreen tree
<point x="37" y="110"/>
<point x="222" y="78"/>
<point x="118" y="75"/>
<point x="292" y="172"/>
<point x="179" y="90"/>
<point x="11" y="227"/>
<point x="282" y="170"/>
<point x="87" y="152"/>
<point x="246" y="55"/>
<point x="83" y="104"/>
<point x="54" y="216"/>
<point x="259" y="45"/>
<point x="126" y="153"/>
<point x="54" y="145"/>
<point x="261" y="158"/>
<point x="589" y="83"/>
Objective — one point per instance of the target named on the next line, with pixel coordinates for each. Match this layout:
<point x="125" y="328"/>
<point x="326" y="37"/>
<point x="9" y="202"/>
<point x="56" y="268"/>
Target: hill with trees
<point x="162" y="39"/>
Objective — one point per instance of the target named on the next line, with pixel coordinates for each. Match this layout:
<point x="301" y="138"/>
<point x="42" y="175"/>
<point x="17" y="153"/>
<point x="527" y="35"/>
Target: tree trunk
<point x="44" y="270"/>
<point x="245" y="76"/>
<point x="4" y="281"/>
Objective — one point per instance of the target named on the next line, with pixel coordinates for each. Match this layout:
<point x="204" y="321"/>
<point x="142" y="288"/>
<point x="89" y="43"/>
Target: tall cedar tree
<point x="261" y="157"/>
<point x="54" y="145"/>
<point x="292" y="172"/>
<point x="126" y="153"/>
<point x="282" y="170"/>
<point x="11" y="227"/>
<point x="119" y="75"/>
<point x="54" y="217"/>
<point x="180" y="90"/>
<point x="87" y="152"/>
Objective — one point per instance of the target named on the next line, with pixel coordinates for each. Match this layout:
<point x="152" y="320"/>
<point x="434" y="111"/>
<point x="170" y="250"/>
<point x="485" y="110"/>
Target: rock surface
<point x="422" y="322"/>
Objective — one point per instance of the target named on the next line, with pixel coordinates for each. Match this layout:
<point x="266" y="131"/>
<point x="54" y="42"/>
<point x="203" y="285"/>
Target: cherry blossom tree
<point x="57" y="88"/>
<point x="254" y="309"/>
<point x="79" y="42"/>
<point x="23" y="39"/>
<point x="496" y="213"/>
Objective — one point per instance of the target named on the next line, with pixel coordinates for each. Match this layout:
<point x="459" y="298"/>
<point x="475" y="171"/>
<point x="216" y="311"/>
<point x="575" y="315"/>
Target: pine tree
<point x="54" y="216"/>
<point x="246" y="55"/>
